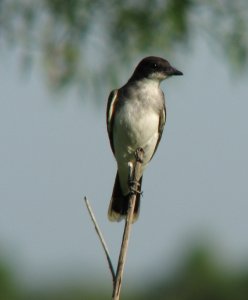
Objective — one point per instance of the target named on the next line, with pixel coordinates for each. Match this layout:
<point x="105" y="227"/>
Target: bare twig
<point x="129" y="219"/>
<point x="134" y="187"/>
<point x="98" y="231"/>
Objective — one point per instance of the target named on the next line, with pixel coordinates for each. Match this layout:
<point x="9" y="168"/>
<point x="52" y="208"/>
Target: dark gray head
<point x="155" y="68"/>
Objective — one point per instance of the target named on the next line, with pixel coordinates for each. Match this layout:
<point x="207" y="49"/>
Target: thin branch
<point x="128" y="224"/>
<point x="134" y="187"/>
<point x="100" y="235"/>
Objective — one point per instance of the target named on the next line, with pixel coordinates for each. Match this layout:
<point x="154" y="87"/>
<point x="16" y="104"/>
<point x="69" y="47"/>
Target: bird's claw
<point x="135" y="187"/>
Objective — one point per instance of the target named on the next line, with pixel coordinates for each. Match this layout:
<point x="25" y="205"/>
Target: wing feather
<point x="162" y="119"/>
<point x="112" y="100"/>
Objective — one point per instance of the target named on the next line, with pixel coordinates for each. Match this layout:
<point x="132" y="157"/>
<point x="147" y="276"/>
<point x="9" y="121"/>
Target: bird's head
<point x="154" y="68"/>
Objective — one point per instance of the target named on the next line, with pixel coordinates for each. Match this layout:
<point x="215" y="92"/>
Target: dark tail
<point x="119" y="203"/>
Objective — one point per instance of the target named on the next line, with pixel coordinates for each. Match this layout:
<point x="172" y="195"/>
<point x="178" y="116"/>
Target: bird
<point x="135" y="117"/>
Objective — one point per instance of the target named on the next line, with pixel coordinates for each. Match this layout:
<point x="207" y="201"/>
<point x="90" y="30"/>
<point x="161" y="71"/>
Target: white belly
<point x="134" y="130"/>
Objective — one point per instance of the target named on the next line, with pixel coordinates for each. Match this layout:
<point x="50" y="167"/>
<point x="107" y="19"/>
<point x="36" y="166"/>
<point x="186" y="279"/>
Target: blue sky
<point x="54" y="152"/>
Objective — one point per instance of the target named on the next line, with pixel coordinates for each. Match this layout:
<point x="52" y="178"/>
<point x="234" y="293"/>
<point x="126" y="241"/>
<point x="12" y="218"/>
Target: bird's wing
<point x="112" y="100"/>
<point x="162" y="119"/>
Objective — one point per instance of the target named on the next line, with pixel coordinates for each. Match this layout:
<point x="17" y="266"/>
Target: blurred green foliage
<point x="199" y="277"/>
<point x="85" y="41"/>
<point x="7" y="283"/>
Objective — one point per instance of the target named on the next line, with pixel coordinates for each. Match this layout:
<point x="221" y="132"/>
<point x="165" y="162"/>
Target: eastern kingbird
<point x="136" y="117"/>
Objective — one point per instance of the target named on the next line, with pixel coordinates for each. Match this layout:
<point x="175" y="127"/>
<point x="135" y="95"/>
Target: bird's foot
<point x="135" y="187"/>
<point x="133" y="183"/>
<point x="135" y="191"/>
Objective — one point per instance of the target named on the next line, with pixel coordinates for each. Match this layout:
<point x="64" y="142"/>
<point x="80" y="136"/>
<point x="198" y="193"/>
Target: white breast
<point x="135" y="126"/>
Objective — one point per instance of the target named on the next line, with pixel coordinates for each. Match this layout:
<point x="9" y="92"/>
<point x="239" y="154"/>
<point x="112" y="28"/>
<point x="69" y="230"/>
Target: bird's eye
<point x="155" y="66"/>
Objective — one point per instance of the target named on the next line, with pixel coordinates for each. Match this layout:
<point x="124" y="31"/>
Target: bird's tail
<point x="119" y="203"/>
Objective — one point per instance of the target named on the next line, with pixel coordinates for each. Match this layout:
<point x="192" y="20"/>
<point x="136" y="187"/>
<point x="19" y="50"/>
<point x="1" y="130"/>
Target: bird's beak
<point x="173" y="71"/>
